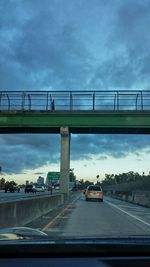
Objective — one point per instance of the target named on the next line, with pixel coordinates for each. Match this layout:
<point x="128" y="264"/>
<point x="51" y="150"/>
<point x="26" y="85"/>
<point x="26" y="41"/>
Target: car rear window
<point x="94" y="188"/>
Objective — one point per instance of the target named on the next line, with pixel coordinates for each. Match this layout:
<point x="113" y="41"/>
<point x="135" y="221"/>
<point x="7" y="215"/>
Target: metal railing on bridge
<point x="75" y="100"/>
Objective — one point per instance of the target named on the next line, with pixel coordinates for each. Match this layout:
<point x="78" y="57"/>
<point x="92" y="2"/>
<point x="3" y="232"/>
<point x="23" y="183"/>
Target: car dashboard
<point x="77" y="253"/>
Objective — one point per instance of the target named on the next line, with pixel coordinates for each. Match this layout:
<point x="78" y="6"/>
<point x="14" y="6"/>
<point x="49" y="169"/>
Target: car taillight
<point x="100" y="193"/>
<point x="88" y="192"/>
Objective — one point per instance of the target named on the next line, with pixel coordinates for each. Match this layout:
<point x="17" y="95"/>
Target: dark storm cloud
<point x="115" y="73"/>
<point x="41" y="48"/>
<point x="128" y="63"/>
<point x="131" y="31"/>
<point x="117" y="146"/>
<point x="52" y="45"/>
<point x="21" y="152"/>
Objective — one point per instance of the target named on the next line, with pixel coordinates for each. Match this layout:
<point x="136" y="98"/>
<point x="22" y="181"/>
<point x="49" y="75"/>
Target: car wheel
<point x="87" y="199"/>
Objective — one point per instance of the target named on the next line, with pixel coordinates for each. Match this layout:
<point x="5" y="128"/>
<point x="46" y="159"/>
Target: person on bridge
<point x="52" y="104"/>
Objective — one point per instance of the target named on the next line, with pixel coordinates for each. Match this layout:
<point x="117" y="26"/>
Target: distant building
<point x="40" y="180"/>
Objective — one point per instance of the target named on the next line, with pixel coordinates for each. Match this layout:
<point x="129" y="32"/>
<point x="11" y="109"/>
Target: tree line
<point x="140" y="180"/>
<point x="3" y="181"/>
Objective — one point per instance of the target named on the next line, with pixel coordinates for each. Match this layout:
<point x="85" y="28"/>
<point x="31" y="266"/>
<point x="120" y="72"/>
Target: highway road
<point x="21" y="195"/>
<point x="112" y="218"/>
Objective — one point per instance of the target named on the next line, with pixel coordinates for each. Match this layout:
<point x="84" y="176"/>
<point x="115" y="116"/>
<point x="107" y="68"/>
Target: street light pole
<point x="97" y="176"/>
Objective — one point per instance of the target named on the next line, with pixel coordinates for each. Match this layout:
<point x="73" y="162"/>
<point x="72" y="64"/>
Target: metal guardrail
<point x="75" y="100"/>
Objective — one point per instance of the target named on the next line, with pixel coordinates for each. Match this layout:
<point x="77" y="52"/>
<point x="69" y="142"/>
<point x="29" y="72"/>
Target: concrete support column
<point x="65" y="161"/>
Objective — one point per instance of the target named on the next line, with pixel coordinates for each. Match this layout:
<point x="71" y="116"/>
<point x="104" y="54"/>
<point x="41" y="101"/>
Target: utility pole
<point x="97" y="176"/>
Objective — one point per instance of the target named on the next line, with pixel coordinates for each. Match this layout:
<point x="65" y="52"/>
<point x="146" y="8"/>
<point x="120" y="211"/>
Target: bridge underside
<point x="46" y="130"/>
<point x="79" y="122"/>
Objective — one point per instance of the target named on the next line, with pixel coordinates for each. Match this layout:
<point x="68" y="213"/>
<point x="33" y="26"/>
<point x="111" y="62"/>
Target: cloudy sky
<point x="74" y="45"/>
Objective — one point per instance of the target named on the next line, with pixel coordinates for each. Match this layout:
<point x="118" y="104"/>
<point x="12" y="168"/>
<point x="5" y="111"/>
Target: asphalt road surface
<point x="111" y="218"/>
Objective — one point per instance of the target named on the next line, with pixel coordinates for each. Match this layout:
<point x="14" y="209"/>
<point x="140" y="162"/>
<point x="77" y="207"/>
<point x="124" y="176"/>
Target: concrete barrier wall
<point x="141" y="198"/>
<point x="138" y="197"/>
<point x="21" y="212"/>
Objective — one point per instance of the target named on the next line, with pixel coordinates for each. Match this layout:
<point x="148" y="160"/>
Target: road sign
<point x="53" y="177"/>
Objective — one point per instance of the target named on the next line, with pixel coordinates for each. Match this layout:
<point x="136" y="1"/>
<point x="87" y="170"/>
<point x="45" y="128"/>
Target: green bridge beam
<point x="77" y="121"/>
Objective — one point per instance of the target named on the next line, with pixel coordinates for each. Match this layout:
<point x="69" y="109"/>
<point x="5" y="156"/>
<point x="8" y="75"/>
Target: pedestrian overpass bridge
<point x="81" y="111"/>
<point x="66" y="112"/>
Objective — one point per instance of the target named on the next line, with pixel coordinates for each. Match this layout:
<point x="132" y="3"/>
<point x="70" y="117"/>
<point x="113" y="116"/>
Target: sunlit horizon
<point x="88" y="169"/>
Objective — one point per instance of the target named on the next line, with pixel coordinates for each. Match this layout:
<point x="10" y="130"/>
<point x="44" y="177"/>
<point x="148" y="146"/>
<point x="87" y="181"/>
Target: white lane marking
<point x="129" y="214"/>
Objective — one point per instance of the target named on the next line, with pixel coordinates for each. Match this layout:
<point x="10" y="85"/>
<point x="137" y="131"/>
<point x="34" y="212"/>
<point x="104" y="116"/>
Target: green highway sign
<point x="53" y="177"/>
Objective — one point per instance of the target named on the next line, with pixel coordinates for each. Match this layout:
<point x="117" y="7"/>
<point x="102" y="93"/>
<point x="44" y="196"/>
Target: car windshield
<point x="74" y="119"/>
